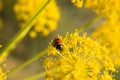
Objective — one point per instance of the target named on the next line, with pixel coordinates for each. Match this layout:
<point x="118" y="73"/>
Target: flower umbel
<point x="81" y="59"/>
<point x="109" y="33"/>
<point x="109" y="8"/>
<point x="45" y="23"/>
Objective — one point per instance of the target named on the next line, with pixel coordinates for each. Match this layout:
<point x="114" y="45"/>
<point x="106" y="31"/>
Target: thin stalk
<point x="85" y="26"/>
<point x="22" y="32"/>
<point x="19" y="67"/>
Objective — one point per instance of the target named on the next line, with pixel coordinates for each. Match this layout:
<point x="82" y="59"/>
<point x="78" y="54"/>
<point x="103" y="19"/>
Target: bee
<point x="57" y="43"/>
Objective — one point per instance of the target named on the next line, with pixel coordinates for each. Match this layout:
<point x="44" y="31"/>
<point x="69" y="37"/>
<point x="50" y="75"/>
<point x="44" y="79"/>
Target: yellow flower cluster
<point x="81" y="59"/>
<point x="46" y="22"/>
<point x="77" y="3"/>
<point x="2" y="75"/>
<point x="2" y="57"/>
<point x="108" y="8"/>
<point x="109" y="33"/>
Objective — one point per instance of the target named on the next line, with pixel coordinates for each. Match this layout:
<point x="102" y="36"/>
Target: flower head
<point x="81" y="59"/>
<point x="45" y="23"/>
<point x="109" y="33"/>
<point x="109" y="8"/>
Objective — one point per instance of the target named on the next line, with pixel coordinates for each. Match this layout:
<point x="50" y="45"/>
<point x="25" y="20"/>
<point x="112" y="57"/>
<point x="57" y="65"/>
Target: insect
<point x="57" y="43"/>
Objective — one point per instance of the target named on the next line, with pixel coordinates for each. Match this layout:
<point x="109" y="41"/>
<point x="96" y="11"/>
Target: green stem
<point x="17" y="68"/>
<point x="22" y="33"/>
<point x="93" y="20"/>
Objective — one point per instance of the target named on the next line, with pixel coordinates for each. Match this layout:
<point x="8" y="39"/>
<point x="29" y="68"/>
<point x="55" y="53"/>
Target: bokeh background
<point x="70" y="19"/>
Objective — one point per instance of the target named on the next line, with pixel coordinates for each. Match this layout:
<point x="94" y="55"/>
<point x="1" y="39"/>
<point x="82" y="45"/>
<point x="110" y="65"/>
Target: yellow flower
<point x="77" y="3"/>
<point x="81" y="59"/>
<point x="109" y="8"/>
<point x="46" y="22"/>
<point x="2" y="57"/>
<point x="110" y="33"/>
<point x="2" y="75"/>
